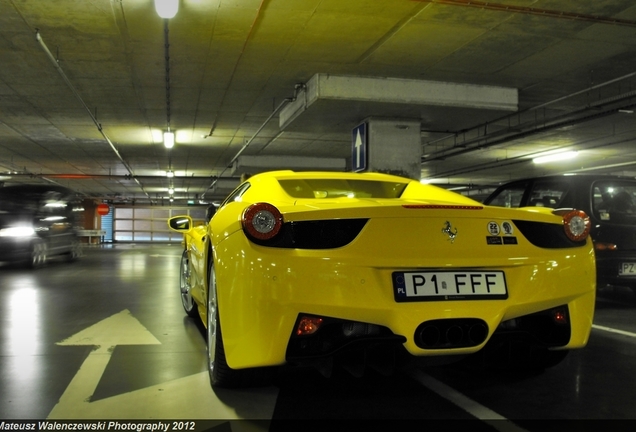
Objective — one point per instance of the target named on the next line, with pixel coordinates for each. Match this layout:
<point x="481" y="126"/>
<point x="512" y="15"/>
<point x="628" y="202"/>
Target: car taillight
<point x="262" y="221"/>
<point x="605" y="246"/>
<point x="576" y="224"/>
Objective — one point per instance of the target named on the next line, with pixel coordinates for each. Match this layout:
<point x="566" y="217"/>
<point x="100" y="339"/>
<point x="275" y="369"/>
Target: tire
<point x="185" y="287"/>
<point x="39" y="254"/>
<point x="221" y="375"/>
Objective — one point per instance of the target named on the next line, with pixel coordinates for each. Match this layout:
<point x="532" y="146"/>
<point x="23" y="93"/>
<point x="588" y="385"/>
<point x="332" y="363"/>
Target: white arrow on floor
<point x="119" y="329"/>
<point x="184" y="398"/>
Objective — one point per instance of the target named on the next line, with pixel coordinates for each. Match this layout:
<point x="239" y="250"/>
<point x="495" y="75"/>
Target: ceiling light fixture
<point x="167" y="8"/>
<point x="170" y="174"/>
<point x="168" y="139"/>
<point x="171" y="191"/>
<point x="553" y="157"/>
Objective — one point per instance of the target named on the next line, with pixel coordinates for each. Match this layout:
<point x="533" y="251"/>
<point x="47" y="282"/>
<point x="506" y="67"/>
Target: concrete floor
<point x="106" y="338"/>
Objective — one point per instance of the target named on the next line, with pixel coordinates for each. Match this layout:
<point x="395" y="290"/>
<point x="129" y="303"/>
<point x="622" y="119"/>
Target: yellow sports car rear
<point x="317" y="267"/>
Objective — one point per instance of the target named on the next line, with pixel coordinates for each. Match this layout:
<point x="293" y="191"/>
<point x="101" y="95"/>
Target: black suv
<point x="38" y="221"/>
<point x="608" y="200"/>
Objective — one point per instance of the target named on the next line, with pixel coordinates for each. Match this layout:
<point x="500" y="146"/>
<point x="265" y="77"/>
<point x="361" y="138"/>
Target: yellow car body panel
<point x="262" y="290"/>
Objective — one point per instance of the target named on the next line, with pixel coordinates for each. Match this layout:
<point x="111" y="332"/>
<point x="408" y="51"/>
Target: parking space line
<point x="477" y="410"/>
<point x="613" y="330"/>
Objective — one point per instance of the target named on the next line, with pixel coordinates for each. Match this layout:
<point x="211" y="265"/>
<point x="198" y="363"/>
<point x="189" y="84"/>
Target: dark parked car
<point x="608" y="200"/>
<point x="37" y="222"/>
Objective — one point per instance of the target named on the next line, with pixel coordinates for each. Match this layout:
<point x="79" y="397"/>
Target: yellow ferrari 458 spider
<point x="322" y="268"/>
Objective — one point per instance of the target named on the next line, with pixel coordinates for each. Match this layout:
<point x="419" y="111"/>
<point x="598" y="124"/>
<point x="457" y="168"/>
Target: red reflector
<point x="439" y="206"/>
<point x="308" y="325"/>
<point x="560" y="317"/>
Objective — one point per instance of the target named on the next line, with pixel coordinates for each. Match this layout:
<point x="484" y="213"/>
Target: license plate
<point x="449" y="285"/>
<point x="627" y="269"/>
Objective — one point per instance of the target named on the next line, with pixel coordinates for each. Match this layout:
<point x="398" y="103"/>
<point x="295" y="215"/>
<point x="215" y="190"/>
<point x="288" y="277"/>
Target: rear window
<point x="552" y="194"/>
<point x="613" y="201"/>
<point x="548" y="194"/>
<point x="510" y="196"/>
<point x="341" y="188"/>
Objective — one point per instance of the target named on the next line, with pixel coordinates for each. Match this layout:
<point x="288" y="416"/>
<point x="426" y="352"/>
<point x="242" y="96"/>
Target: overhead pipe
<point x="444" y="153"/>
<point x="524" y="159"/>
<point x="57" y="66"/>
<point x="523" y="135"/>
<point x="516" y="160"/>
<point x="285" y="101"/>
<point x="103" y="176"/>
<point x="553" y="123"/>
<point x="534" y="108"/>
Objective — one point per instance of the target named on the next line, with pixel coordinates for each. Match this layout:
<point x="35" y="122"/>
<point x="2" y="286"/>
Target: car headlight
<point x="18" y="231"/>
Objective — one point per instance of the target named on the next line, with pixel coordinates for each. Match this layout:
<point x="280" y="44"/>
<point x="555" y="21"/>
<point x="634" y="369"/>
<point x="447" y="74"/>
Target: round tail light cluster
<point x="262" y="221"/>
<point x="576" y="224"/>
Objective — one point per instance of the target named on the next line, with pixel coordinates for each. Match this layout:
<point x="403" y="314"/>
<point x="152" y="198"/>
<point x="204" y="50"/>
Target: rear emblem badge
<point x="449" y="231"/>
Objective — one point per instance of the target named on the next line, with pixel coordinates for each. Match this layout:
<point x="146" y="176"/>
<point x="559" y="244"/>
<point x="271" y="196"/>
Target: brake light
<point x="576" y="224"/>
<point x="262" y="221"/>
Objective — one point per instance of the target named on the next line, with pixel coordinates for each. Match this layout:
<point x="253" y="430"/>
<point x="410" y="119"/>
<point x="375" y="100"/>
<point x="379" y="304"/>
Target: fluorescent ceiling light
<point x="555" y="157"/>
<point x="167" y="8"/>
<point x="168" y="139"/>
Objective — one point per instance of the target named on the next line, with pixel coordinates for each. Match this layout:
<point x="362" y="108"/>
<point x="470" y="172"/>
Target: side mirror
<point x="181" y="224"/>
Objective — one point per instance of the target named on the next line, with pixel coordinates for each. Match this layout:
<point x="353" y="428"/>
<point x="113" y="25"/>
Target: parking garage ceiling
<point x="88" y="86"/>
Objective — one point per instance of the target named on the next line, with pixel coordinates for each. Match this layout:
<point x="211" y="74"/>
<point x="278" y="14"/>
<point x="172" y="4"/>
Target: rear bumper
<point x="547" y="329"/>
<point x="262" y="291"/>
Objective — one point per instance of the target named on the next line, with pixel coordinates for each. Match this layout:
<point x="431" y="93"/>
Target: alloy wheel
<point x="212" y="320"/>
<point x="185" y="285"/>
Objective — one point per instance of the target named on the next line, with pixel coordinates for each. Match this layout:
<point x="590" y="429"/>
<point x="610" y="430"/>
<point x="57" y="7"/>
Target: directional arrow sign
<point x="359" y="148"/>
<point x="119" y="329"/>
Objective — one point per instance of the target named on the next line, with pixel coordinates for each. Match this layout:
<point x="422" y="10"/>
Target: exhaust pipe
<point x="454" y="335"/>
<point x="478" y="333"/>
<point x="428" y="337"/>
<point x="451" y="333"/>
